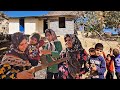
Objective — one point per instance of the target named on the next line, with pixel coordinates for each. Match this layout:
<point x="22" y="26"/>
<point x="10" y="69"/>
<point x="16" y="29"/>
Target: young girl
<point x="110" y="67"/>
<point x="55" y="47"/>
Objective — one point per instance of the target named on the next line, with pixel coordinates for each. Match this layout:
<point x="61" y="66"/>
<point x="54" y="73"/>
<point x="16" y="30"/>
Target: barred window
<point x="61" y="22"/>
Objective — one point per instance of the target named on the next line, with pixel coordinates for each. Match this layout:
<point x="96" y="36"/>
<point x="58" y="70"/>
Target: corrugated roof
<point x="54" y="13"/>
<point x="40" y="16"/>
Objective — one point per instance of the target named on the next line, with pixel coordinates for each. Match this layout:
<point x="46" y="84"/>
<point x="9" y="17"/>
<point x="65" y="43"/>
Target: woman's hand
<point x="25" y="75"/>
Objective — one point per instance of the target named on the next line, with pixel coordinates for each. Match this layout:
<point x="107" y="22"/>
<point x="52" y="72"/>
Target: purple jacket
<point x="101" y="65"/>
<point x="117" y="63"/>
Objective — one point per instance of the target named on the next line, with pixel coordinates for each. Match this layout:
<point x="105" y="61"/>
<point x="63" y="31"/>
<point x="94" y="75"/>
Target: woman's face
<point x="49" y="36"/>
<point x="23" y="45"/>
<point x="68" y="42"/>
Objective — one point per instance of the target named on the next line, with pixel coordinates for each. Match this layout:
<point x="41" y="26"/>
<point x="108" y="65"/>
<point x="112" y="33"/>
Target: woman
<point x="55" y="48"/>
<point x="72" y="68"/>
<point x="15" y="63"/>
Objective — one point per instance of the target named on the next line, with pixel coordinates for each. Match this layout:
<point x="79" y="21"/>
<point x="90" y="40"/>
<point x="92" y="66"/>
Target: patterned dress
<point x="11" y="64"/>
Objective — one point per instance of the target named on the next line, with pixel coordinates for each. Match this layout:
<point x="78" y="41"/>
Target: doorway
<point x="45" y="25"/>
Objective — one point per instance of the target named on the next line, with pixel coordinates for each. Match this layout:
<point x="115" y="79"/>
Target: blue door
<point x="21" y="21"/>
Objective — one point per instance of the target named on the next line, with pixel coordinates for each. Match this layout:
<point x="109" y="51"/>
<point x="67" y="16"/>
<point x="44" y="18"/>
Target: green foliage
<point x="97" y="20"/>
<point x="112" y="18"/>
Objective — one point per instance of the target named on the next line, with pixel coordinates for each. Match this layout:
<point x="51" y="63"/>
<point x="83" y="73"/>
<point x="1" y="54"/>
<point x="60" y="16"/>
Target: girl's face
<point x="49" y="36"/>
<point x="33" y="40"/>
<point x="108" y="58"/>
<point x="98" y="52"/>
<point x="68" y="42"/>
<point x="23" y="45"/>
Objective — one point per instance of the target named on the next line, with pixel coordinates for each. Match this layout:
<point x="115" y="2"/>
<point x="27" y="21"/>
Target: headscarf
<point x="51" y="44"/>
<point x="73" y="64"/>
<point x="77" y="46"/>
<point x="14" y="56"/>
<point x="52" y="33"/>
<point x="16" y="39"/>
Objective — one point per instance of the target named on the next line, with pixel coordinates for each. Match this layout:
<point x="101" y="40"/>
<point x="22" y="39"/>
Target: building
<point x="62" y="22"/>
<point x="4" y="23"/>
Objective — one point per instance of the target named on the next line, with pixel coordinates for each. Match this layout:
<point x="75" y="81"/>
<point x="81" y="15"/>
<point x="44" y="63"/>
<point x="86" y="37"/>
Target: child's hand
<point x="78" y="56"/>
<point x="94" y="68"/>
<point x="110" y="49"/>
<point x="87" y="65"/>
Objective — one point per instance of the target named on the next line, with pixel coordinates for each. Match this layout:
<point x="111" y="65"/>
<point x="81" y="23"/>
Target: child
<point x="91" y="54"/>
<point x="86" y="68"/>
<point x="55" y="48"/>
<point x="97" y="63"/>
<point x="33" y="48"/>
<point x="92" y="51"/>
<point x="116" y="59"/>
<point x="110" y="67"/>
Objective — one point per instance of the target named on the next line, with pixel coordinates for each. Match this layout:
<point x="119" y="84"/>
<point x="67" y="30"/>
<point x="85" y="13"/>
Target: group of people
<point x="24" y="54"/>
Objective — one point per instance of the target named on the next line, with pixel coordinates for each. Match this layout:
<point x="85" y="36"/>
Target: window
<point x="61" y="22"/>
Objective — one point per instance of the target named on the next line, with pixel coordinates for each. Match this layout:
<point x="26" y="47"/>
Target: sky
<point x="24" y="13"/>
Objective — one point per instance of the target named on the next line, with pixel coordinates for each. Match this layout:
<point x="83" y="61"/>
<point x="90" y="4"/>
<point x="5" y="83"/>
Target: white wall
<point x="40" y="26"/>
<point x="13" y="26"/>
<point x="30" y="25"/>
<point x="69" y="27"/>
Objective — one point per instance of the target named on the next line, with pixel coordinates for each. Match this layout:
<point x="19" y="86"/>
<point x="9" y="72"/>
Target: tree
<point x="112" y="18"/>
<point x="97" y="20"/>
<point x="91" y="21"/>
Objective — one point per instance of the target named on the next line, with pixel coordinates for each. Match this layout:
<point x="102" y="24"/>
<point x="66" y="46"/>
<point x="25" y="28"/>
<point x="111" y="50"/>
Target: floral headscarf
<point x="77" y="46"/>
<point x="73" y="64"/>
<point x="14" y="56"/>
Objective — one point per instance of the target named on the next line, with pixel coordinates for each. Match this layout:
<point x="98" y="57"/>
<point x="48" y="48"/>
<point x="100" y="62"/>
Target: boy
<point x="97" y="63"/>
<point x="116" y="59"/>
